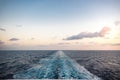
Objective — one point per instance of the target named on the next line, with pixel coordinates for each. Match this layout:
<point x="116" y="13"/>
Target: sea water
<point x="89" y="65"/>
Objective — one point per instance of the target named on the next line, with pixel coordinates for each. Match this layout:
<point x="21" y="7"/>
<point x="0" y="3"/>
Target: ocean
<point x="65" y="64"/>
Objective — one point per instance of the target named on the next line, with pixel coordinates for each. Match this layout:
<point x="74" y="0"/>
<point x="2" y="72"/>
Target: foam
<point x="57" y="66"/>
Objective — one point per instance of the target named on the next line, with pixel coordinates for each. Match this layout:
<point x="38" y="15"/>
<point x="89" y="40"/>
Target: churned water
<point x="84" y="65"/>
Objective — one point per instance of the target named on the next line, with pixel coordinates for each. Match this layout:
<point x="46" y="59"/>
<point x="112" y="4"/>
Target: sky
<point x="59" y="25"/>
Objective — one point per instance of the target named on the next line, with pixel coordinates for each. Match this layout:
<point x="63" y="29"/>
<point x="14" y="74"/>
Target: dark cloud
<point x="117" y="23"/>
<point x="13" y="39"/>
<point x="1" y="29"/>
<point x="82" y="35"/>
<point x="1" y="42"/>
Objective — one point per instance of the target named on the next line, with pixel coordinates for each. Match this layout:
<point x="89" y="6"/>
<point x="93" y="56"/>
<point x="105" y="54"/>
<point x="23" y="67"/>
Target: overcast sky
<point x="59" y="24"/>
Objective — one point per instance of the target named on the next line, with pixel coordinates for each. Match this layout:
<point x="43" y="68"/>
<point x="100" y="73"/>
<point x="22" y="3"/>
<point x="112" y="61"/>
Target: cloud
<point x="104" y="31"/>
<point x="1" y="29"/>
<point x="1" y="42"/>
<point x="13" y="39"/>
<point x="82" y="35"/>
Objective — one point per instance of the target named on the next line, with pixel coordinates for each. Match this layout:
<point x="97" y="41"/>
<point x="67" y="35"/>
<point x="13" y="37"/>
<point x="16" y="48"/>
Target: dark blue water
<point x="20" y="64"/>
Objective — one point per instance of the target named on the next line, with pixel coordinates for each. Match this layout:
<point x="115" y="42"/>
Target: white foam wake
<point x="57" y="66"/>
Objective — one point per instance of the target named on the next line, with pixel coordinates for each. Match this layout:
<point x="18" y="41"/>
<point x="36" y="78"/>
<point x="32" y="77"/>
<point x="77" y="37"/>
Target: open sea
<point x="65" y="64"/>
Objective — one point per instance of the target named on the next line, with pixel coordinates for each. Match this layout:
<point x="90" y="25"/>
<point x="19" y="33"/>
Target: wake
<point x="57" y="66"/>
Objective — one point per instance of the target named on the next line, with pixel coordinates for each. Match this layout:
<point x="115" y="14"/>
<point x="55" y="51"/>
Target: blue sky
<point x="43" y="10"/>
<point x="49" y="22"/>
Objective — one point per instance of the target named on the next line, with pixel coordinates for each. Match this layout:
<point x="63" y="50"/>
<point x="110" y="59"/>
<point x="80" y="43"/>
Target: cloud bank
<point x="13" y="39"/>
<point x="1" y="29"/>
<point x="82" y="35"/>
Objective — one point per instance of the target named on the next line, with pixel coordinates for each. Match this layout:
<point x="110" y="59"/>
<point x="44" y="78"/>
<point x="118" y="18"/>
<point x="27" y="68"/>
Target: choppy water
<point x="90" y="65"/>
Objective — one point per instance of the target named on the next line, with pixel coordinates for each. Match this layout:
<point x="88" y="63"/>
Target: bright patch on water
<point x="57" y="66"/>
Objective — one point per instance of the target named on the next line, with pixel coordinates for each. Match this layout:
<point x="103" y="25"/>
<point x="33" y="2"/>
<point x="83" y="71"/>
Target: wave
<point x="57" y="66"/>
